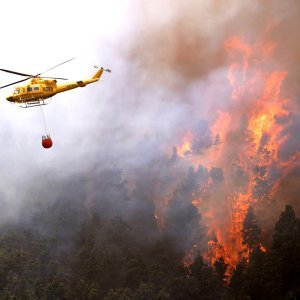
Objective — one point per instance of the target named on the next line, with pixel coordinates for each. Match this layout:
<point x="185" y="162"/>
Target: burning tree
<point x="251" y="231"/>
<point x="240" y="150"/>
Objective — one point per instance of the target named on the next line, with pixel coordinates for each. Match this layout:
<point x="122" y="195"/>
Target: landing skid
<point x="34" y="103"/>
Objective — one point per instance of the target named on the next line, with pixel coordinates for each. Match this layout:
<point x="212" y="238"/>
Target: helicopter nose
<point x="9" y="98"/>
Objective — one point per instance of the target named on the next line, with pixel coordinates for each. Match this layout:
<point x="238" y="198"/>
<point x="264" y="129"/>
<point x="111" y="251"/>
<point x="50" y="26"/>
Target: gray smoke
<point x="169" y="76"/>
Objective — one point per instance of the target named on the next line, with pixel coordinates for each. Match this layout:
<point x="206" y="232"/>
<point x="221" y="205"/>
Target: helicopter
<point x="40" y="88"/>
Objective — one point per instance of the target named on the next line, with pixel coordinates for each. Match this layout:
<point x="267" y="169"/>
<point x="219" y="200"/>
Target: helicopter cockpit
<point x="17" y="91"/>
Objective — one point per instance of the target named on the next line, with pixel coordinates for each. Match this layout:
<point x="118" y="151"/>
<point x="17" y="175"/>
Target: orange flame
<point x="256" y="92"/>
<point x="186" y="146"/>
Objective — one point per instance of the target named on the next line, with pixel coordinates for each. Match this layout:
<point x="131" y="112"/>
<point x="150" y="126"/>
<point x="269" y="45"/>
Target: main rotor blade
<point x="17" y="73"/>
<point x="14" y="82"/>
<point x="29" y="78"/>
<point x="56" y="66"/>
<point x="32" y="76"/>
<point x="54" y="78"/>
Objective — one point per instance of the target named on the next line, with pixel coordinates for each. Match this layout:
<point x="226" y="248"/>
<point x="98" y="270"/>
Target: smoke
<point x="170" y="77"/>
<point x="180" y="48"/>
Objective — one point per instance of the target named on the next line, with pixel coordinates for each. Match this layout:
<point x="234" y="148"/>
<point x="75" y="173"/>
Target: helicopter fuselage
<point x="39" y="89"/>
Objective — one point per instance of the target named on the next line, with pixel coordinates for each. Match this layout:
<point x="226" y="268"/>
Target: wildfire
<point x="250" y="137"/>
<point x="259" y="126"/>
<point x="262" y="248"/>
<point x="186" y="146"/>
<point x="184" y="149"/>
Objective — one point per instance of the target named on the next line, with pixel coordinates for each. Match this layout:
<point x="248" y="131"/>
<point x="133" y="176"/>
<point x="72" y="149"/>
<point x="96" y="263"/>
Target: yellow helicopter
<point x="40" y="88"/>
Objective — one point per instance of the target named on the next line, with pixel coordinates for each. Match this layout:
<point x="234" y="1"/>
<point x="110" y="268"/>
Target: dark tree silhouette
<point x="103" y="245"/>
<point x="284" y="260"/>
<point x="251" y="232"/>
<point x="220" y="269"/>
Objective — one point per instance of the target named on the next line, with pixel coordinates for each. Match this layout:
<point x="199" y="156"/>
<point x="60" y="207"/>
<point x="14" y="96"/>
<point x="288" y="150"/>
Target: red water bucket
<point x="47" y="142"/>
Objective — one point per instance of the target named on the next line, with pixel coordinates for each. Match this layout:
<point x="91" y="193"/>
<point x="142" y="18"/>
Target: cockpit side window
<point x="29" y="89"/>
<point x="17" y="91"/>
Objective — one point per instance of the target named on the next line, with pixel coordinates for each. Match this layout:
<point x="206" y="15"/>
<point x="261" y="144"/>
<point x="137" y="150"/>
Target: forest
<point x="107" y="245"/>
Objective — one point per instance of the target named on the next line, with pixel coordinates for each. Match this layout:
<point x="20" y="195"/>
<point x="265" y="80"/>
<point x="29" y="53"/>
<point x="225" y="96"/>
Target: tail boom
<point x="82" y="83"/>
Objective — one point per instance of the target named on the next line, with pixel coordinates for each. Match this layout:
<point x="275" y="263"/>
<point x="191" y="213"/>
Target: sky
<point x="36" y="37"/>
<point x="96" y="33"/>
<point x="168" y="71"/>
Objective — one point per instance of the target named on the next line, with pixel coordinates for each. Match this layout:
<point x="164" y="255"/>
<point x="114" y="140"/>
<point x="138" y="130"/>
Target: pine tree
<point x="285" y="255"/>
<point x="285" y="228"/>
<point x="237" y="281"/>
<point x="251" y="231"/>
<point x="209" y="285"/>
<point x="220" y="269"/>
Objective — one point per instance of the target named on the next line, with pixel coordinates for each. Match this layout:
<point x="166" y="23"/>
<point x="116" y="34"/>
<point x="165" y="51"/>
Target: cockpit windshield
<point x="17" y="91"/>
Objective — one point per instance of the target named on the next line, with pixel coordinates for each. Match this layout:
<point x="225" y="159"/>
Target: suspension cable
<point x="42" y="120"/>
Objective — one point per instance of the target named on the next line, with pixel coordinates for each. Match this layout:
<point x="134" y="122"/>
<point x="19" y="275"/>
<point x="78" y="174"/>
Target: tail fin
<point x="95" y="78"/>
<point x="99" y="73"/>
